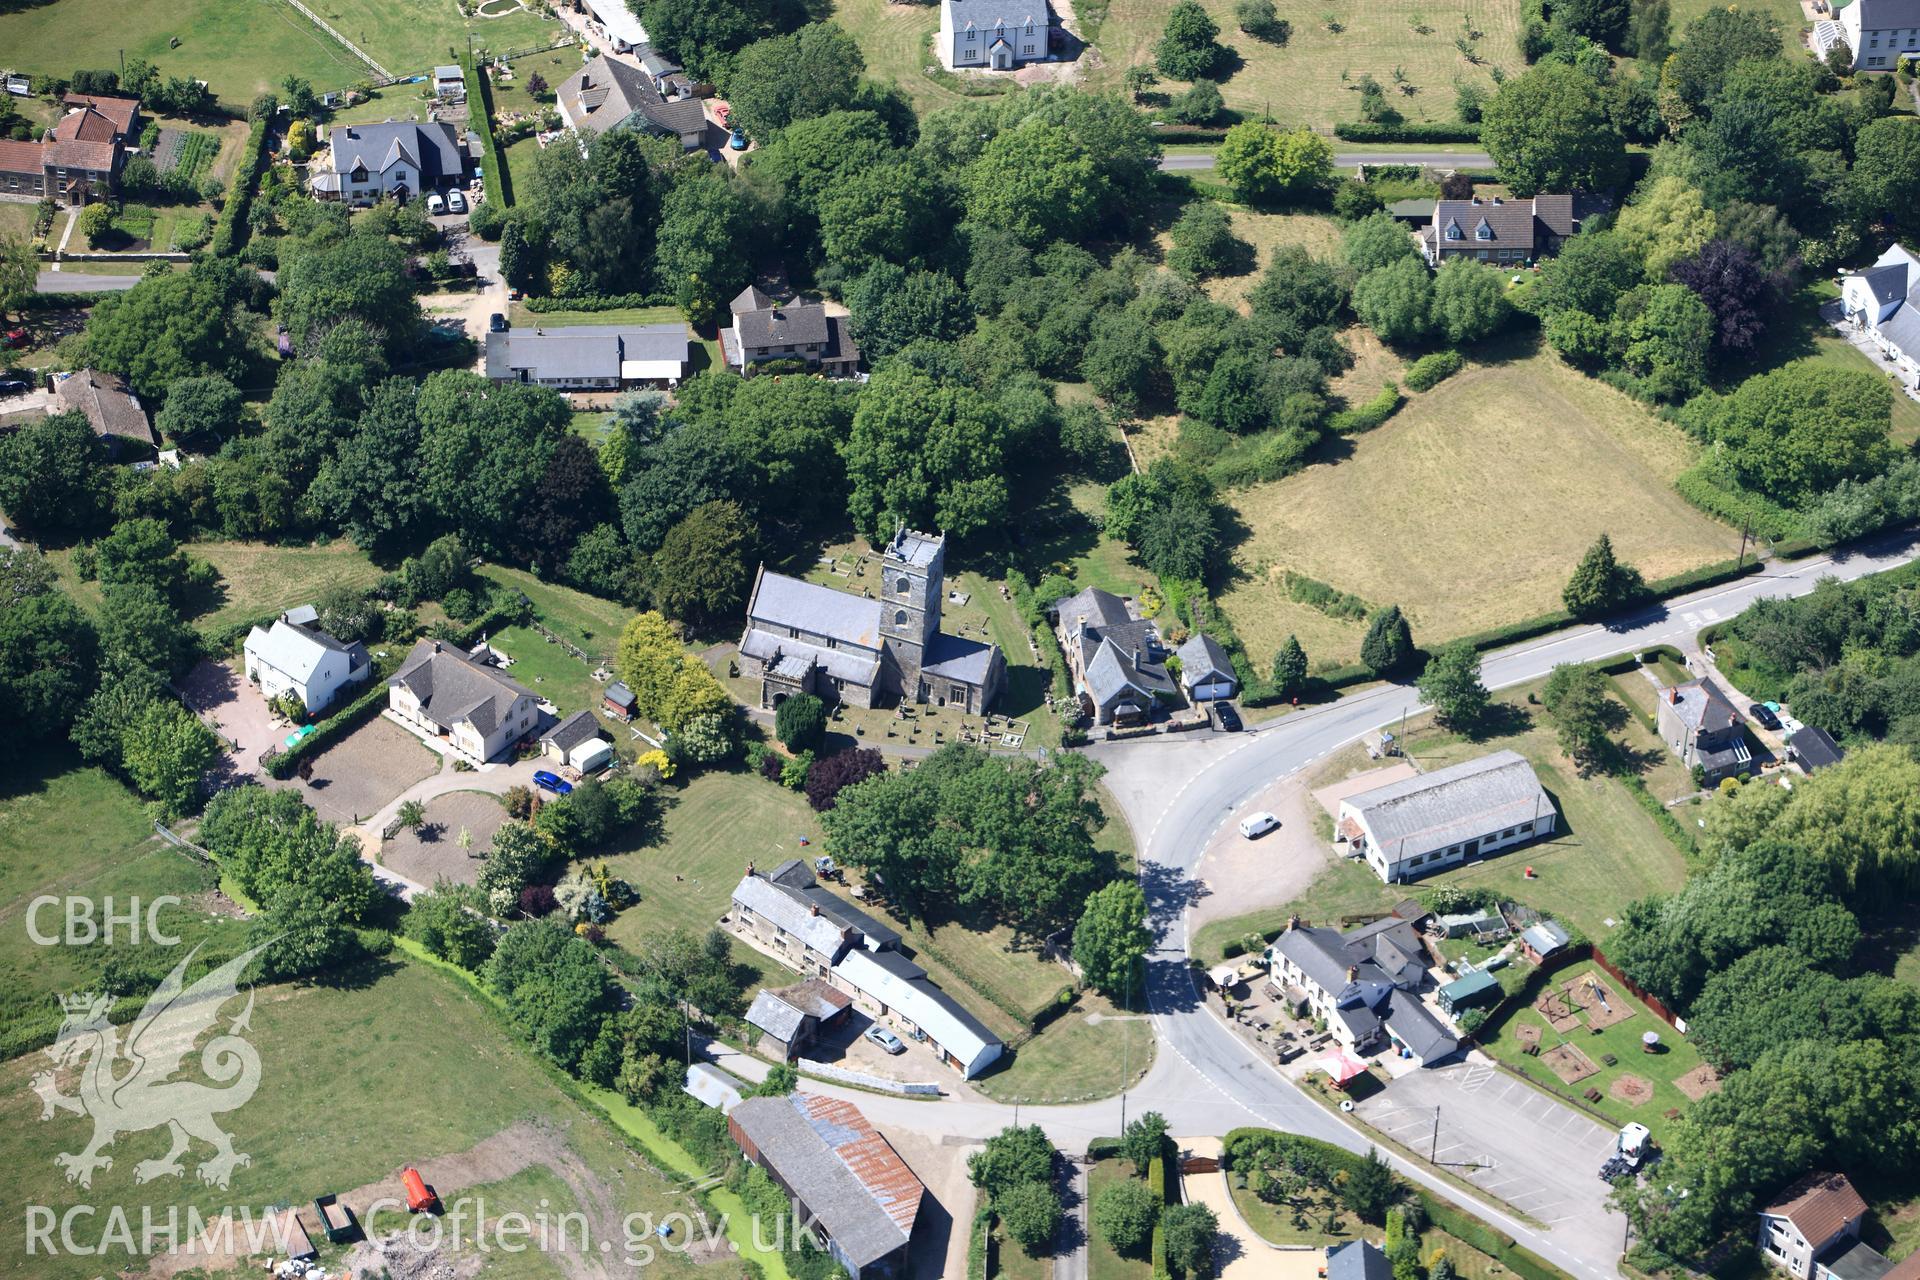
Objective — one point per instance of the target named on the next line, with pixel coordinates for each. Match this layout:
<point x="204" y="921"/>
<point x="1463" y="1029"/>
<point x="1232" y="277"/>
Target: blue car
<point x="739" y="140"/>
<point x="552" y="782"/>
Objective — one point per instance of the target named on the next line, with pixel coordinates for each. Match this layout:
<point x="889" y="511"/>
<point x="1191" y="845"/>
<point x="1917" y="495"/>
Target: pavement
<point x="82" y="282"/>
<point x="1439" y="159"/>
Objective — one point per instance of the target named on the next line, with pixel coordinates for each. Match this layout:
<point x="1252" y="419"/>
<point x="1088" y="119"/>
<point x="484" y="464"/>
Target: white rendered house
<point x="1883" y="303"/>
<point x="994" y="35"/>
<point x="1879" y="33"/>
<point x="295" y="656"/>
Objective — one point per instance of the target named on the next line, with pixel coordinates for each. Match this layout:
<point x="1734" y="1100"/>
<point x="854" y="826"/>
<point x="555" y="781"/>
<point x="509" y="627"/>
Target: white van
<point x="435" y="204"/>
<point x="1255" y="825"/>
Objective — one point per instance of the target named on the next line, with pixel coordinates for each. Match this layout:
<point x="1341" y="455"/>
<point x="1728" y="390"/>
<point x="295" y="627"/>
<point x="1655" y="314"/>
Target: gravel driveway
<point x="355" y="777"/>
<point x="234" y="709"/>
<point x="433" y="852"/>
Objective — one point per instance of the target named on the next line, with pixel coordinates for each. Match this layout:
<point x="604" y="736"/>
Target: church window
<point x="903" y="586"/>
<point x="899" y="617"/>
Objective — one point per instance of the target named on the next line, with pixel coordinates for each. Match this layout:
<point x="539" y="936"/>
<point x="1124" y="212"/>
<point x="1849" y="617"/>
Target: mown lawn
<point x="1470" y="507"/>
<point x="892" y="39"/>
<point x="1606" y="850"/>
<point x="553" y="67"/>
<point x="1276" y="1223"/>
<point x="1096" y="1051"/>
<point x="1677" y="1057"/>
<point x="1314" y="78"/>
<point x="1104" y="1262"/>
<point x="410" y="37"/>
<point x="591" y="622"/>
<point x="256" y="578"/>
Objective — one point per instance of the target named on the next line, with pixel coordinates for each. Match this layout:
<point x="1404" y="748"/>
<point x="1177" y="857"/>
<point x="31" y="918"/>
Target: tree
<point x="1451" y="685"/>
<point x="1649" y="35"/>
<point x="1667" y="221"/>
<point x="1668" y="332"/>
<point x="1190" y="1230"/>
<point x="1376" y="241"/>
<point x="518" y="857"/>
<point x="142" y="551"/>
<point x="166" y="751"/>
<point x="1259" y="18"/>
<point x="705" y="565"/>
<point x="52" y="475"/>
<point x="781" y="79"/>
<point x="704" y="35"/>
<point x="892" y="307"/>
<point x="199" y="409"/>
<point x="447" y="922"/>
<point x="1396" y="301"/>
<point x="140" y="626"/>
<point x="1714" y="44"/>
<point x="362" y="276"/>
<point x="1798" y="431"/>
<point x="1143" y="1139"/>
<point x="96" y="224"/>
<point x="1125" y="1213"/>
<point x="1548" y="130"/>
<point x="1203" y="241"/>
<point x="1886" y="170"/>
<point x="1111" y="938"/>
<point x="1188" y="49"/>
<point x="828" y="776"/>
<point x="1469" y="301"/>
<point x="1601" y="584"/>
<point x="800" y="721"/>
<point x="703" y="221"/>
<point x="47" y="661"/>
<point x="926" y="453"/>
<point x="537" y="87"/>
<point x="1388" y="645"/>
<point x="1121" y="360"/>
<point x="1031" y="1214"/>
<point x="553" y="987"/>
<point x="1728" y="278"/>
<point x="484" y="451"/>
<point x="1588" y="275"/>
<point x="1030" y="182"/>
<point x="175" y="325"/>
<point x="1261" y="165"/>
<point x="883" y="212"/>
<point x="1290" y="669"/>
<point x="1583" y="712"/>
<point x="1199" y="105"/>
<point x="19" y="271"/>
<point x="1369" y="1188"/>
<point x="1015" y="1156"/>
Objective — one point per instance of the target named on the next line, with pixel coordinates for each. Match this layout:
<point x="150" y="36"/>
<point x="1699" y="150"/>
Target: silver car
<point x="884" y="1038"/>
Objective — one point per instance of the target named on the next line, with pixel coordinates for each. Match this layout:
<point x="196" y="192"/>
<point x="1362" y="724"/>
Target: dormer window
<point x="1453" y="231"/>
<point x="1483" y="231"/>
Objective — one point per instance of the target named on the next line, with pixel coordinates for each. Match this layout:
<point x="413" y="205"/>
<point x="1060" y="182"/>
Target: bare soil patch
<point x="1601" y="1004"/>
<point x="1555" y="1008"/>
<point x="1699" y="1082"/>
<point x="1569" y="1063"/>
<point x="433" y="853"/>
<point x="1631" y="1090"/>
<point x="1527" y="1034"/>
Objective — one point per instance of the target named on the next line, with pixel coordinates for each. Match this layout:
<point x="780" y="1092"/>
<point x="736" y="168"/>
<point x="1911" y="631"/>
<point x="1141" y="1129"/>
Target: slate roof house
<point x="790" y="1018"/>
<point x="1357" y="1260"/>
<point x="764" y="330"/>
<point x="848" y="1186"/>
<point x="471" y="705"/>
<point x="1883" y="302"/>
<point x="80" y="158"/>
<point x="996" y="35"/>
<point x="1117" y="662"/>
<point x="821" y="935"/>
<point x="295" y="656"/>
<point x="590" y="357"/>
<point x="365" y="163"/>
<point x="1498" y="230"/>
<point x="1704" y="730"/>
<point x="111" y="408"/>
<point x="838" y="646"/>
<point x="1813" y="748"/>
<point x="1365" y="984"/>
<point x="606" y="94"/>
<point x="1879" y="33"/>
<point x="1419" y="825"/>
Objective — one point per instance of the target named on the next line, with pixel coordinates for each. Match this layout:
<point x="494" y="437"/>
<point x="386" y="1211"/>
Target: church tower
<point x="912" y="581"/>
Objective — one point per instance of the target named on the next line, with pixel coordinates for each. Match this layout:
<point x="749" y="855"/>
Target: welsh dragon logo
<point x="122" y="1100"/>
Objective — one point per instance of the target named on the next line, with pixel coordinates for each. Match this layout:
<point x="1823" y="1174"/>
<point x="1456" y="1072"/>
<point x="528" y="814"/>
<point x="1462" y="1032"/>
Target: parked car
<point x="1255" y="825"/>
<point x="1759" y="711"/>
<point x="552" y="782"/>
<point x="496" y="323"/>
<point x="12" y="387"/>
<point x="435" y="204"/>
<point x="456" y="201"/>
<point x="739" y="140"/>
<point x="1226" y="717"/>
<point x="884" y="1038"/>
<point x="301" y="734"/>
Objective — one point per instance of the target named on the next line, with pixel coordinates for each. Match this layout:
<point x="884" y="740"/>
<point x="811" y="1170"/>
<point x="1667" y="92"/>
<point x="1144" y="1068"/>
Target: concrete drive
<point x="82" y="282"/>
<point x="1520" y="1145"/>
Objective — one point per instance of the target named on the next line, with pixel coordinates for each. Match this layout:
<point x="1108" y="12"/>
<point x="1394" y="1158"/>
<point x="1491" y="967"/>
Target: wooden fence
<point x="1665" y="1014"/>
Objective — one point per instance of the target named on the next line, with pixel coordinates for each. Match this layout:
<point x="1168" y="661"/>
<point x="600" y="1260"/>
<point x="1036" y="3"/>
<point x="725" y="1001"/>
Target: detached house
<point x="590" y="357"/>
<point x="764" y="330"/>
<point x="1878" y="33"/>
<point x="79" y="160"/>
<point x="365" y="163"/>
<point x="1365" y="985"/>
<point x="606" y="95"/>
<point x="1497" y="230"/>
<point x="1704" y="730"/>
<point x="1811" y="1231"/>
<point x="1883" y="302"/>
<point x="470" y="705"/>
<point x="1117" y="662"/>
<point x="110" y="408"/>
<point x="295" y="656"/>
<point x="994" y="35"/>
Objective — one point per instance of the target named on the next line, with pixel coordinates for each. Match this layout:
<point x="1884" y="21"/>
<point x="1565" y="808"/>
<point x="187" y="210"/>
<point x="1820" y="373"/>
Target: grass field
<point x="409" y="37"/>
<point x="1313" y="79"/>
<point x="239" y="47"/>
<point x="592" y="623"/>
<point x="1605" y="852"/>
<point x="892" y="38"/>
<point x="1469" y="508"/>
<point x="332" y="1120"/>
<point x="1622" y="1040"/>
<point x="256" y="578"/>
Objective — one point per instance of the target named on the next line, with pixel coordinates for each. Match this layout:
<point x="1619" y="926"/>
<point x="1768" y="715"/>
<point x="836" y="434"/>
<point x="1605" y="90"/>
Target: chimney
<point x="1353" y="971"/>
<point x="813" y="909"/>
<point x="751" y="870"/>
<point x="1673" y="695"/>
<point x="436" y="646"/>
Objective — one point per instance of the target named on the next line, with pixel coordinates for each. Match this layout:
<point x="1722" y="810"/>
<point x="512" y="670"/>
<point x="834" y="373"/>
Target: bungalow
<point x="789" y="1019"/>
<point x="1704" y="730"/>
<point x="111" y="408"/>
<point x="849" y="1188"/>
<point x="1422" y="824"/>
<point x="764" y="330"/>
<point x="607" y="94"/>
<point x="471" y="705"/>
<point x="591" y="357"/>
<point x="1206" y="669"/>
<point x="1365" y="985"/>
<point x="295" y="656"/>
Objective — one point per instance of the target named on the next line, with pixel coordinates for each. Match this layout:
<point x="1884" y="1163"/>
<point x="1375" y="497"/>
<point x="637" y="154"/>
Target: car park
<point x="884" y="1038"/>
<point x="1255" y="825"/>
<point x="552" y="782"/>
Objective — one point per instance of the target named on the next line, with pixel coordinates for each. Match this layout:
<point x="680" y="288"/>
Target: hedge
<point x="1737" y="507"/>
<point x="1405" y="131"/>
<point x="1177" y="133"/>
<point x="499" y="186"/>
<point x="1034" y="612"/>
<point x="601" y="302"/>
<point x="1661" y="815"/>
<point x="1366" y="417"/>
<point x="1430" y="371"/>
<point x="1158" y="1183"/>
<point x="56" y="301"/>
<point x="230" y="232"/>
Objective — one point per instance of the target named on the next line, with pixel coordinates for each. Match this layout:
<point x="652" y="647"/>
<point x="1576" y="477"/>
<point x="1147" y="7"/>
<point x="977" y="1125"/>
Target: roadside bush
<point x="1405" y="131"/>
<point x="1430" y="371"/>
<point x="1369" y="415"/>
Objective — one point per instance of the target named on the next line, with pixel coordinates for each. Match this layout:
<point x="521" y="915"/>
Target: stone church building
<point x="846" y="647"/>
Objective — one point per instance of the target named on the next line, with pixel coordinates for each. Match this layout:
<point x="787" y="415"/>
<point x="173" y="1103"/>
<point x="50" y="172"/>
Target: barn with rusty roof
<point x="847" y="1183"/>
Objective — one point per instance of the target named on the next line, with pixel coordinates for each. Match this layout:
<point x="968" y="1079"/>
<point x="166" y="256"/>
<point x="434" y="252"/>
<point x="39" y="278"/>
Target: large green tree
<point x="781" y="79"/>
<point x="1111" y="938"/>
<point x="1451" y="685"/>
<point x="705" y="220"/>
<point x="1796" y="432"/>
<point x="1188" y="47"/>
<point x="703" y="569"/>
<point x="1262" y="165"/>
<point x="484" y="450"/>
<point x="174" y="325"/>
<point x="1396" y="301"/>
<point x="928" y="453"/>
<point x="361" y="276"/>
<point x="47" y="659"/>
<point x="1549" y="130"/>
<point x="1387" y="647"/>
<point x="53" y="475"/>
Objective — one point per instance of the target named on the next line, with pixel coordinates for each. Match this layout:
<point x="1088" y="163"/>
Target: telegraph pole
<point x="1433" y="1150"/>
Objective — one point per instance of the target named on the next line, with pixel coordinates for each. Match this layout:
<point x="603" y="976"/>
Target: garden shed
<point x="1480" y="987"/>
